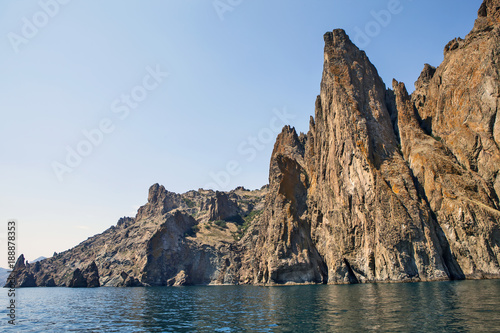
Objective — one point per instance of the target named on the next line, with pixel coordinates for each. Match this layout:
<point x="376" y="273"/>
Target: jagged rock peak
<point x="342" y="57"/>
<point x="385" y="186"/>
<point x="155" y="192"/>
<point x="459" y="104"/>
<point x="20" y="263"/>
<point x="426" y="75"/>
<point x="21" y="276"/>
<point x="488" y="16"/>
<point x="488" y="19"/>
<point x="337" y="39"/>
<point x="288" y="138"/>
<point x="160" y="201"/>
<point x="122" y="222"/>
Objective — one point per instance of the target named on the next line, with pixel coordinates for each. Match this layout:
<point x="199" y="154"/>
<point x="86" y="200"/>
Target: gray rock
<point x="384" y="187"/>
<point x="87" y="278"/>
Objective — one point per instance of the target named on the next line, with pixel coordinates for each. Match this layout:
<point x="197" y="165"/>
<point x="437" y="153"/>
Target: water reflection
<point x="464" y="306"/>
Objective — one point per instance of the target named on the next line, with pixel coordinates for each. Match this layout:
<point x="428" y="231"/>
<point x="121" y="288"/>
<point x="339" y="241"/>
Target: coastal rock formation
<point x="464" y="204"/>
<point x="346" y="201"/>
<point x="175" y="239"/>
<point x="387" y="186"/>
<point x="384" y="187"/>
<point x="284" y="251"/>
<point x="88" y="278"/>
<point x="21" y="276"/>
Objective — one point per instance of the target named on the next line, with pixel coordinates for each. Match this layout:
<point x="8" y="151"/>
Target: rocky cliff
<point x="175" y="239"/>
<point x="385" y="186"/>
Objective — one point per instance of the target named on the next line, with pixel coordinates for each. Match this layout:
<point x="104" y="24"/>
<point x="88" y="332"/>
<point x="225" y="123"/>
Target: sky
<point x="101" y="99"/>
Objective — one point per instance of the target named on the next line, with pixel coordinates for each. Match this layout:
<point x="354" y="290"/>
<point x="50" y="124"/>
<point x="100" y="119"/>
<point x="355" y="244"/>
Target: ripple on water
<point x="463" y="306"/>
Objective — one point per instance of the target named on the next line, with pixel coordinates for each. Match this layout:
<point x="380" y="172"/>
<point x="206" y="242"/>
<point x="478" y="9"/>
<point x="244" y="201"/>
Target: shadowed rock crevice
<point x="390" y="102"/>
<point x="350" y="273"/>
<point x="86" y="278"/>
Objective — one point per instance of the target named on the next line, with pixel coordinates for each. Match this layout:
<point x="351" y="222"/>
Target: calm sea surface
<point x="463" y="306"/>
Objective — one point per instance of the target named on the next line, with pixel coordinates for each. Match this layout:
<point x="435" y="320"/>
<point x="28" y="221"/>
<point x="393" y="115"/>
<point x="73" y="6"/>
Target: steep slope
<point x="342" y="202"/>
<point x="459" y="197"/>
<point x="284" y="251"/>
<point x="458" y="101"/>
<point x="450" y="134"/>
<point x="388" y="187"/>
<point x="384" y="187"/>
<point x="175" y="239"/>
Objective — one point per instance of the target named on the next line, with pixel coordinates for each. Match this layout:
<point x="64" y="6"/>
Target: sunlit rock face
<point x="385" y="186"/>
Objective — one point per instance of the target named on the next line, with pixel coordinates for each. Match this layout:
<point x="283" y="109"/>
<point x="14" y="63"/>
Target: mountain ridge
<point x="384" y="187"/>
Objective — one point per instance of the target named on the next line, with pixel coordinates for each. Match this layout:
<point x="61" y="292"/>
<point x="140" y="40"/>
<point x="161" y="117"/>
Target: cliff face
<point x="175" y="239"/>
<point x="457" y="106"/>
<point x="385" y="186"/>
<point x="284" y="251"/>
<point x="343" y="202"/>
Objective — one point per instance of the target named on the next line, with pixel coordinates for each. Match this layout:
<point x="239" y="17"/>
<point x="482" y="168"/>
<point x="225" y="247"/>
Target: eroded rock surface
<point x="385" y="186"/>
<point x="175" y="239"/>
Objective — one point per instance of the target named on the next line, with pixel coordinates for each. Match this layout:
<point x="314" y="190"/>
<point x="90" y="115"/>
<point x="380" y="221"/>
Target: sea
<point x="451" y="306"/>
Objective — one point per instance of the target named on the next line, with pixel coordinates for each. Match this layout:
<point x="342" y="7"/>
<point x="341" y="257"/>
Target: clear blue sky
<point x="231" y="69"/>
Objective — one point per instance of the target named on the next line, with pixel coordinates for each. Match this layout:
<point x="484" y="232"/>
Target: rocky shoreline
<point x="385" y="187"/>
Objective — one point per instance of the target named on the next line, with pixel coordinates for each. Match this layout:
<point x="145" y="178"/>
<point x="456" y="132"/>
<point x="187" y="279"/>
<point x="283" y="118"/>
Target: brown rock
<point x="458" y="104"/>
<point x="388" y="187"/>
<point x="21" y="275"/>
<point x="87" y="278"/>
<point x="221" y="207"/>
<point x="78" y="280"/>
<point x="284" y="252"/>
<point x="384" y="187"/>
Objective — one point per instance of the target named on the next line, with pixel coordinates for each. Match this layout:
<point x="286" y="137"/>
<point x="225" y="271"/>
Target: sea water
<point x="458" y="306"/>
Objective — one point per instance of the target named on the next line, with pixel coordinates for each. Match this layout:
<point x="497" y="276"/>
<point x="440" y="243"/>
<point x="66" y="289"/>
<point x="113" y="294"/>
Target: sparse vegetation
<point x="435" y="137"/>
<point x="189" y="202"/>
<point x="250" y="217"/>
<point x="192" y="232"/>
<point x="220" y="223"/>
<point x="248" y="220"/>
